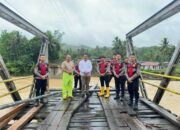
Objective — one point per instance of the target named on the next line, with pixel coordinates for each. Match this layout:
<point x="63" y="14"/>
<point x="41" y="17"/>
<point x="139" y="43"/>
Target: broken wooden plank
<point x="4" y="120"/>
<point x="12" y="111"/>
<point x="26" y="118"/>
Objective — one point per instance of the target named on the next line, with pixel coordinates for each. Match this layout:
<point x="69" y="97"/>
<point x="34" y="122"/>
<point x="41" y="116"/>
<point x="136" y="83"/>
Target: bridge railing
<point x="163" y="76"/>
<point x="18" y="89"/>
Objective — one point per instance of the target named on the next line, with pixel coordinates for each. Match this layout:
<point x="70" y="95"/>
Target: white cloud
<point x="96" y="22"/>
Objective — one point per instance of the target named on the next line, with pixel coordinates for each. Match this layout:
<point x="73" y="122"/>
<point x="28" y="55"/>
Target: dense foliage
<point x="20" y="53"/>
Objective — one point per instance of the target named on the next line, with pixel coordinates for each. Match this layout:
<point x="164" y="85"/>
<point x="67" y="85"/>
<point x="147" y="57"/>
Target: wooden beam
<point x="169" y="71"/>
<point x="25" y="119"/>
<point x="11" y="112"/>
<point x="4" y="122"/>
<point x="162" y="112"/>
<point x="4" y="73"/>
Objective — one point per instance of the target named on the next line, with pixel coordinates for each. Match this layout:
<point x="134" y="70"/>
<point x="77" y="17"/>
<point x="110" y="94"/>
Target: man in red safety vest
<point x="119" y="76"/>
<point x="103" y="70"/>
<point x="41" y="72"/>
<point x="133" y="75"/>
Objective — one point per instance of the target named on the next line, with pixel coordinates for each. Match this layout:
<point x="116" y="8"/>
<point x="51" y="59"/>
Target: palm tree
<point x="164" y="49"/>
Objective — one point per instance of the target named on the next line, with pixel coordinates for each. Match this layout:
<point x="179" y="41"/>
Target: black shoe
<point x="130" y="103"/>
<point x="116" y="98"/>
<point x="83" y="94"/>
<point x="36" y="104"/>
<point x="87" y="94"/>
<point x="135" y="106"/>
<point x="122" y="98"/>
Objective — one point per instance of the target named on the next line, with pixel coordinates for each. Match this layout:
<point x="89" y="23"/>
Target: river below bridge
<point x="170" y="101"/>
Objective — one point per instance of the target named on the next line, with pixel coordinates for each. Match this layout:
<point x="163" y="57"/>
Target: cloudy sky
<point x="95" y="22"/>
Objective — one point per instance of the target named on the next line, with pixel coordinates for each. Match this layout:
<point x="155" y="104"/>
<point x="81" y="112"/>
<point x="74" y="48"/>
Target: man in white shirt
<point x="85" y="67"/>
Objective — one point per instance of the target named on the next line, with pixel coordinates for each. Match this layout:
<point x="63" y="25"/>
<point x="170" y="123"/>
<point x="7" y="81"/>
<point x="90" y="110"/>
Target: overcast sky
<point x="95" y="22"/>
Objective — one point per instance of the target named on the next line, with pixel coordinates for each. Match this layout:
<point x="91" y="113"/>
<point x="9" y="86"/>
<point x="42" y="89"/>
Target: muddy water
<point x="170" y="101"/>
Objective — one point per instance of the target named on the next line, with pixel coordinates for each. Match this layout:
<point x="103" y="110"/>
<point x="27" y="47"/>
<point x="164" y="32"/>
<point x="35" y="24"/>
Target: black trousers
<point x="133" y="89"/>
<point x="104" y="80"/>
<point x="120" y="84"/>
<point x="110" y="77"/>
<point x="77" y="78"/>
<point x="40" y="86"/>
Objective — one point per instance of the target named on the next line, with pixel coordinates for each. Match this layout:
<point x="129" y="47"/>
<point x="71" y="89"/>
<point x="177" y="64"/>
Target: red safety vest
<point x="132" y="69"/>
<point x="77" y="68"/>
<point x="42" y="67"/>
<point x="118" y="66"/>
<point x="103" y="67"/>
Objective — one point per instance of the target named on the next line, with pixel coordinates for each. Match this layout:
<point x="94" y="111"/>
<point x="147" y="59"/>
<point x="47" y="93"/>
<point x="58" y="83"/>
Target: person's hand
<point x="102" y="74"/>
<point x="129" y="80"/>
<point x="69" y="72"/>
<point x="43" y="77"/>
<point x="86" y="73"/>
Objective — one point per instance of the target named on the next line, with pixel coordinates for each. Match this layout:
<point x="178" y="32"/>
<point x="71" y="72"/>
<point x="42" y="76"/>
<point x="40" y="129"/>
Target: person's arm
<point x="114" y="72"/>
<point x="137" y="72"/>
<point x="36" y="70"/>
<point x="47" y="71"/>
<point x="108" y="70"/>
<point x="122" y="71"/>
<point x="90" y="67"/>
<point x="126" y="72"/>
<point x="81" y="68"/>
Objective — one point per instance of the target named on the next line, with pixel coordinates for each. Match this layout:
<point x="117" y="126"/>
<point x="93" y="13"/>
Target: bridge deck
<point x="95" y="113"/>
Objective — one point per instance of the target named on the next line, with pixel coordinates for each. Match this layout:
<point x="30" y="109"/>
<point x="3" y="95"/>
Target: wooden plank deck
<point x="119" y="118"/>
<point x="61" y="115"/>
<point x="94" y="113"/>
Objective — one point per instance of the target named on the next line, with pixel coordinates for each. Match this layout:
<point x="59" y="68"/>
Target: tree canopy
<point x="20" y="53"/>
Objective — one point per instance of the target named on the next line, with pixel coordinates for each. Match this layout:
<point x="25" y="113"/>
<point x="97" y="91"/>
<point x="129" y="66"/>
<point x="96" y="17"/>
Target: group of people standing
<point x="122" y="72"/>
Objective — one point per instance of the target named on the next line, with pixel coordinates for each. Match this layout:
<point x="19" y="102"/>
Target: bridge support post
<point x="130" y="48"/>
<point x="169" y="71"/>
<point x="4" y="73"/>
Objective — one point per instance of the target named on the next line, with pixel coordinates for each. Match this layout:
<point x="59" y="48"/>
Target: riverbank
<point x="170" y="101"/>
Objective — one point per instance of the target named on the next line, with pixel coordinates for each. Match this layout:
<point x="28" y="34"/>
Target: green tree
<point x="55" y="42"/>
<point x="119" y="46"/>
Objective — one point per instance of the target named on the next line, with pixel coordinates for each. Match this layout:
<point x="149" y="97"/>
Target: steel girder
<point x="17" y="20"/>
<point x="164" y="13"/>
